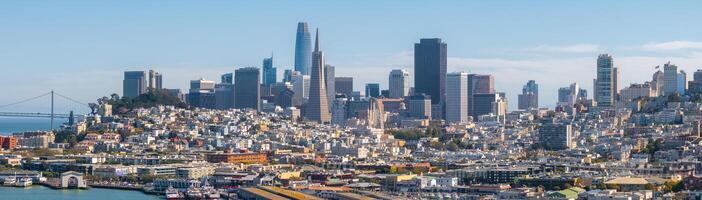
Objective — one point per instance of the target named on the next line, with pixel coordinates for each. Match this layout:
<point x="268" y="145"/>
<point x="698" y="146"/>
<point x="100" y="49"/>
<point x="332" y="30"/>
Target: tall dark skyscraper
<point x="373" y="90"/>
<point x="344" y="85"/>
<point x="269" y="72"/>
<point x="134" y="83"/>
<point x="303" y="49"/>
<point x="430" y="69"/>
<point x="247" y="88"/>
<point x="317" y="106"/>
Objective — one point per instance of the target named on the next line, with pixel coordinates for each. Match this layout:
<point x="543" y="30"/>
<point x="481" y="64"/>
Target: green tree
<point x="65" y="136"/>
<point x="155" y="97"/>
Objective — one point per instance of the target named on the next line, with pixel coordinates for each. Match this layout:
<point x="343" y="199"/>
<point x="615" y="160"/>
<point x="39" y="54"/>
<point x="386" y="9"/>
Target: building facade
<point x="134" y="83"/>
<point x="457" y="97"/>
<point x="529" y="99"/>
<point x="247" y="88"/>
<point x="202" y="94"/>
<point x="155" y="80"/>
<point x="674" y="81"/>
<point x="479" y="84"/>
<point x="317" y="106"/>
<point x="556" y="136"/>
<point x="399" y="84"/>
<point x="270" y="74"/>
<point x="373" y="90"/>
<point x="330" y="81"/>
<point x="303" y="49"/>
<point x="606" y="81"/>
<point x="344" y="85"/>
<point x="430" y="69"/>
<point x="419" y="106"/>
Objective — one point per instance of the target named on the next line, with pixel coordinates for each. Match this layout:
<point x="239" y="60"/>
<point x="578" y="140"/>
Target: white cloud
<point x="576" y="48"/>
<point x="672" y="45"/>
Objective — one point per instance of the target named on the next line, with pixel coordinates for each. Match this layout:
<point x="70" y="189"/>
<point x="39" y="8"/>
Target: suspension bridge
<point x="50" y="114"/>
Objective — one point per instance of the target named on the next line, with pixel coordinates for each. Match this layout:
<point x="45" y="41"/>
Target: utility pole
<point x="52" y="110"/>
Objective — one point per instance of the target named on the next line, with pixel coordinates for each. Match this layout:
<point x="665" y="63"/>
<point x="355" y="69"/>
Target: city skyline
<point x="185" y="100"/>
<point x="510" y="59"/>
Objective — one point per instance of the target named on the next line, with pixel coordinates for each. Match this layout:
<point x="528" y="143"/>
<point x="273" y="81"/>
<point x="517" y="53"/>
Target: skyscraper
<point x="224" y="95"/>
<point x="303" y="49"/>
<point x="420" y="106"/>
<point x="430" y="69"/>
<point x="159" y="81"/>
<point x="317" y="107"/>
<point x="571" y="95"/>
<point x="615" y="83"/>
<point x="682" y="82"/>
<point x="399" y="83"/>
<point x="247" y="88"/>
<point x="287" y="74"/>
<point x="330" y="80"/>
<point x="344" y="85"/>
<point x="457" y="97"/>
<point x="373" y="90"/>
<point x="155" y="80"/>
<point x="339" y="110"/>
<point x="134" y="83"/>
<point x="657" y="82"/>
<point x="605" y="91"/>
<point x="269" y="72"/>
<point x="228" y="78"/>
<point x="486" y="103"/>
<point x="479" y="84"/>
<point x="224" y="92"/>
<point x="301" y="88"/>
<point x="674" y="81"/>
<point x="697" y="76"/>
<point x="530" y="96"/>
<point x="202" y="94"/>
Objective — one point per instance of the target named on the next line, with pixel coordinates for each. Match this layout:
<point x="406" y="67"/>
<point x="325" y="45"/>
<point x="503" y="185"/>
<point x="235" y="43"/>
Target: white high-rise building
<point x="457" y="97"/>
<point x="301" y="87"/>
<point x="399" y="83"/>
<point x="674" y="81"/>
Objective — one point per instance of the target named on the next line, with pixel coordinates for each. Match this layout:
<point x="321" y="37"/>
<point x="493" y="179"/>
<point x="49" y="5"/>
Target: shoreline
<point x="106" y="187"/>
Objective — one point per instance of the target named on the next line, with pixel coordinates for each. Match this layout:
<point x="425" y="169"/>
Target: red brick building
<point x="246" y="158"/>
<point x="8" y="142"/>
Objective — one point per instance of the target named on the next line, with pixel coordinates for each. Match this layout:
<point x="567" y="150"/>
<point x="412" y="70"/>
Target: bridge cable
<point x="25" y="100"/>
<point x="70" y="99"/>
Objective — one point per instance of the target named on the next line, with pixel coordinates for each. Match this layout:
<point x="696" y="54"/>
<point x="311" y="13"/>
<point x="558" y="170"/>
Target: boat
<point x="193" y="193"/>
<point x="9" y="181"/>
<point x="173" y="194"/>
<point x="210" y="192"/>
<point x="23" y="182"/>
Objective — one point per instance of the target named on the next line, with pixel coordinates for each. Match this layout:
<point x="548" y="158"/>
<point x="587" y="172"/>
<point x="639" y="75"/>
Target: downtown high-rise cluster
<point x="311" y="90"/>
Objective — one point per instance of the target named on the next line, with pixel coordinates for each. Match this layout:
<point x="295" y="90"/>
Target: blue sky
<point x="80" y="48"/>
